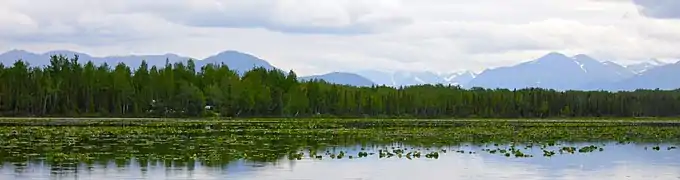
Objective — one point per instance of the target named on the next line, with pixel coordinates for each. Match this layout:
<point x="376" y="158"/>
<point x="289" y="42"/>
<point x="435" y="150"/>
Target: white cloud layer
<point x="317" y="36"/>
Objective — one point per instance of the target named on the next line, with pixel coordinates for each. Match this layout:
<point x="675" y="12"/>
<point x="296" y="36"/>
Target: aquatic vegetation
<point x="267" y="140"/>
<point x="547" y="153"/>
<point x="433" y="155"/>
<point x="362" y="154"/>
<point x="587" y="149"/>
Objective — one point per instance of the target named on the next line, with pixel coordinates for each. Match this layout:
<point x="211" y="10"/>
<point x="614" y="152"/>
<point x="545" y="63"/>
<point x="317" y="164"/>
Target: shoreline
<point x="283" y="119"/>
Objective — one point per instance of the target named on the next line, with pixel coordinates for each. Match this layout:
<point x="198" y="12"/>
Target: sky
<point x="317" y="36"/>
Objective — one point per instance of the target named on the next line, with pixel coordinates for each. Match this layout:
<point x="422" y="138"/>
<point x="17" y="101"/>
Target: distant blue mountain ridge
<point x="553" y="70"/>
<point x="235" y="60"/>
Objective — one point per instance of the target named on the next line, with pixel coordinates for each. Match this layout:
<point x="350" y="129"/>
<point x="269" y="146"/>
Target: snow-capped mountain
<point x="459" y="78"/>
<point x="619" y="69"/>
<point x="554" y="71"/>
<point x="409" y="78"/>
<point x="661" y="77"/>
<point x="599" y="71"/>
<point x="644" y="66"/>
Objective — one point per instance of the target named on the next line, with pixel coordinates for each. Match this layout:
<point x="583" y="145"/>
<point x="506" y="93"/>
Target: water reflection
<point x="618" y="161"/>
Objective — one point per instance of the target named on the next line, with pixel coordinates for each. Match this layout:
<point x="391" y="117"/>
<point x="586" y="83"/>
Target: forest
<point x="69" y="88"/>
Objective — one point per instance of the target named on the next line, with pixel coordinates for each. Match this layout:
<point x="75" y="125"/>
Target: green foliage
<point x="68" y="88"/>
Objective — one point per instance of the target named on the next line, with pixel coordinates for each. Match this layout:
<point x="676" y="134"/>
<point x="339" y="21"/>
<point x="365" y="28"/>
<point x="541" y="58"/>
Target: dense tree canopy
<point x="67" y="87"/>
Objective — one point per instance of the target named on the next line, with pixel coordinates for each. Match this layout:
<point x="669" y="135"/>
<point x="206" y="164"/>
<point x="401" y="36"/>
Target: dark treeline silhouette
<point x="68" y="88"/>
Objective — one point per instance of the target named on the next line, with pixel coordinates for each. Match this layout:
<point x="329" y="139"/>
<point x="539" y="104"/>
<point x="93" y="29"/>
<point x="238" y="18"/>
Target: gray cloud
<point x="664" y="9"/>
<point x="288" y="16"/>
<point x="225" y="21"/>
<point x="59" y="23"/>
<point x="302" y="16"/>
<point x="108" y="31"/>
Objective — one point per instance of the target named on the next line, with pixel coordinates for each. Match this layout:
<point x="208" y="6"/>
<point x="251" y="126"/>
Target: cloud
<point x="289" y="16"/>
<point x="664" y="9"/>
<point x="319" y="36"/>
<point x="32" y="22"/>
<point x="95" y="31"/>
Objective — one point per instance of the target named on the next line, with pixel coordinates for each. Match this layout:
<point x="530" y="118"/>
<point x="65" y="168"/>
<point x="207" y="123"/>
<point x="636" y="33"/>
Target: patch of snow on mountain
<point x="394" y="82"/>
<point x="656" y="62"/>
<point x="580" y="65"/>
<point x="642" y="67"/>
<point x="419" y="80"/>
<point x="453" y="76"/>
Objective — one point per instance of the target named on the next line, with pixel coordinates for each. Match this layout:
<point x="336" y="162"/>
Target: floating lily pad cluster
<point x="218" y="142"/>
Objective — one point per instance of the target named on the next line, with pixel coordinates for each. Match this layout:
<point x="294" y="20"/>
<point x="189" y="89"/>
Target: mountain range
<point x="235" y="60"/>
<point x="580" y="72"/>
<point x="644" y="66"/>
<point x="342" y="78"/>
<point x="409" y="78"/>
<point x="553" y="70"/>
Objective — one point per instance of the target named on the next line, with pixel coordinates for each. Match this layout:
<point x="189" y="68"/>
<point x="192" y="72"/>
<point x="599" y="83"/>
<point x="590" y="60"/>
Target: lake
<point x="619" y="161"/>
<point x="338" y="149"/>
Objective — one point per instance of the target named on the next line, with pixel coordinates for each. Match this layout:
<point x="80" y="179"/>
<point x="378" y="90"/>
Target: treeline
<point x="67" y="87"/>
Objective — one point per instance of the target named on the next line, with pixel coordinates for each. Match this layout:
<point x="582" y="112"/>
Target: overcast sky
<point x="316" y="36"/>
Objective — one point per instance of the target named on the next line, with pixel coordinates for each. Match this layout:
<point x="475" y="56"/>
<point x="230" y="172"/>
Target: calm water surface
<point x="617" y="161"/>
